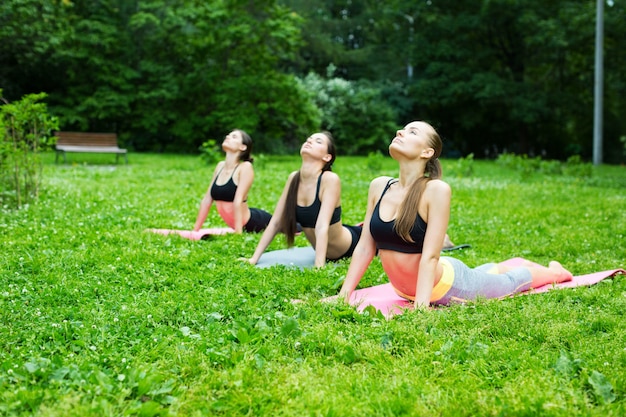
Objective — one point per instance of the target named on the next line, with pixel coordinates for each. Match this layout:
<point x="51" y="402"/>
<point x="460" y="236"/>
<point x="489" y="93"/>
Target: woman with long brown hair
<point x="311" y="198"/>
<point x="405" y="224"/>
<point x="229" y="188"/>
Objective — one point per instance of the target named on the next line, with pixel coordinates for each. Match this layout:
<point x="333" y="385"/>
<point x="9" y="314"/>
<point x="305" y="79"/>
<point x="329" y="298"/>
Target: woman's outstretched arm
<point x="207" y="201"/>
<point x="244" y="182"/>
<point x="366" y="248"/>
<point x="273" y="228"/>
<point x="437" y="199"/>
<point x="330" y="193"/>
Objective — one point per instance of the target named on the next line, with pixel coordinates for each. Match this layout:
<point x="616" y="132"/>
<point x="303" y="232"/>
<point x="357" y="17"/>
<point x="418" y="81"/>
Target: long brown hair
<point x="245" y="140"/>
<point x="289" y="225"/>
<point x="407" y="212"/>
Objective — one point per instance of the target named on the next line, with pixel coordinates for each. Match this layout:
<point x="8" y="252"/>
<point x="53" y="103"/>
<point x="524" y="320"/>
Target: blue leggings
<point x="482" y="281"/>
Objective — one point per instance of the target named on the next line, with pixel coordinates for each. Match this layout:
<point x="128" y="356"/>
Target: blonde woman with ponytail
<point x="406" y="223"/>
<point x="311" y="199"/>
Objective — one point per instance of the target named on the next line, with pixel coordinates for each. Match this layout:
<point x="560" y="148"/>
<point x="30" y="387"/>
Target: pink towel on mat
<point x="190" y="234"/>
<point x="384" y="298"/>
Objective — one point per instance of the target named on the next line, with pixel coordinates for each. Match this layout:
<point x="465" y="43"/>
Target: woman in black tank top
<point x="312" y="198"/>
<point x="231" y="181"/>
<point x="406" y="222"/>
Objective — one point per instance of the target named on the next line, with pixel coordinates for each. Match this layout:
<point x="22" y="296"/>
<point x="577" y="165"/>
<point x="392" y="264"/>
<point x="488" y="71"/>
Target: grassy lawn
<point x="99" y="318"/>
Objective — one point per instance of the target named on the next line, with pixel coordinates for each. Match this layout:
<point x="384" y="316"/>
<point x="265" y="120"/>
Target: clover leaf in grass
<point x="601" y="388"/>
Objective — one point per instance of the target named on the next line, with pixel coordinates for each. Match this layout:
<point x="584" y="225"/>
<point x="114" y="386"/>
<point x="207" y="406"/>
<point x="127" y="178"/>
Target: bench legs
<point x="117" y="157"/>
<point x="56" y="159"/>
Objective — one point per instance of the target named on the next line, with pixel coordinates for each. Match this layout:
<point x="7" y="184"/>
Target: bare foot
<point x="447" y="243"/>
<point x="562" y="273"/>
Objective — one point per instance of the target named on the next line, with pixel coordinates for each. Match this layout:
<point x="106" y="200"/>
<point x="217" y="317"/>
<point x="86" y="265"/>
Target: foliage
<point x="210" y="151"/>
<point x="99" y="318"/>
<point x="519" y="65"/>
<point x="355" y="112"/>
<point x="374" y="161"/>
<point x="496" y="76"/>
<point x="25" y="131"/>
<point x="463" y="167"/>
<point x="501" y="76"/>
<point x="575" y="166"/>
<point x="164" y="75"/>
<point x="528" y="167"/>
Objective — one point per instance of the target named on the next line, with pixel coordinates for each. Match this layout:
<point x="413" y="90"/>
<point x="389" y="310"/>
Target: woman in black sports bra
<point x="229" y="188"/>
<point x="312" y="198"/>
<point x="406" y="222"/>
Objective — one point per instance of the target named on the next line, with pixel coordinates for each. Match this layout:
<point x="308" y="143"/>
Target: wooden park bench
<point x="88" y="142"/>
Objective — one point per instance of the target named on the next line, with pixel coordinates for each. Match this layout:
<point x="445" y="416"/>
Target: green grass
<point x="99" y="318"/>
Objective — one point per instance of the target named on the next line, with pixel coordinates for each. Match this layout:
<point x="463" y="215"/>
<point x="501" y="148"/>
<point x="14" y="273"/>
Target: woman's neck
<point x="310" y="169"/>
<point x="231" y="160"/>
<point x="410" y="171"/>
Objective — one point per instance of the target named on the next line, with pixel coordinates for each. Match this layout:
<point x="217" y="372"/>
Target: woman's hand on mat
<point x="248" y="260"/>
<point x="331" y="299"/>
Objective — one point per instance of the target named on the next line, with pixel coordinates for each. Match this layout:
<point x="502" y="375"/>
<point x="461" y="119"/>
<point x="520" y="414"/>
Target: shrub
<point x="25" y="130"/>
<point x="375" y="161"/>
<point x="210" y="151"/>
<point x="573" y="167"/>
<point x="463" y="167"/>
<point x="355" y="112"/>
<point x="576" y="167"/>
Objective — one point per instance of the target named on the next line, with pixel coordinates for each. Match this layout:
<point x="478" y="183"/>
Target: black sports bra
<point x="224" y="192"/>
<point x="307" y="216"/>
<point x="385" y="235"/>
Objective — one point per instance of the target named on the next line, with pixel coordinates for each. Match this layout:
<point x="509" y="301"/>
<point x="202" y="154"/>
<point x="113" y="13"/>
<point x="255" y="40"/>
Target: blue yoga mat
<point x="299" y="257"/>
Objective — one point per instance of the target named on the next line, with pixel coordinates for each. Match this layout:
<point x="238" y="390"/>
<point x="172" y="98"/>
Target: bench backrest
<point x="86" y="139"/>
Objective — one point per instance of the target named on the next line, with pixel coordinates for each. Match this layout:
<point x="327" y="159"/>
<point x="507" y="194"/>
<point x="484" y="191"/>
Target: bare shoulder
<point x="330" y="178"/>
<point x="438" y="187"/>
<point x="219" y="167"/>
<point x="290" y="178"/>
<point x="378" y="184"/>
<point x="246" y="166"/>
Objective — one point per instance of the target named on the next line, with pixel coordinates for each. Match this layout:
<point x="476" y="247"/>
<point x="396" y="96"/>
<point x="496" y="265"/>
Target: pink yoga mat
<point x="190" y="234"/>
<point x="384" y="298"/>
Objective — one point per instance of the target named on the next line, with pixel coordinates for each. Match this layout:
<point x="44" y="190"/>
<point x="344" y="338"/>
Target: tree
<point x="165" y="74"/>
<point x="508" y="75"/>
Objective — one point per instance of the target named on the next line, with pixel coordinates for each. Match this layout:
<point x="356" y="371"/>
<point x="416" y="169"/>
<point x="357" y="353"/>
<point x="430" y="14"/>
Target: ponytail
<point x="289" y="216"/>
<point x="246" y="140"/>
<point x="288" y="223"/>
<point x="408" y="210"/>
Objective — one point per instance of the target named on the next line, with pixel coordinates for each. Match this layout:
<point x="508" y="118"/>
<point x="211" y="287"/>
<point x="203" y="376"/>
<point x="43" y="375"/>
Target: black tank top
<point x="225" y="192"/>
<point x="307" y="216"/>
<point x="386" y="237"/>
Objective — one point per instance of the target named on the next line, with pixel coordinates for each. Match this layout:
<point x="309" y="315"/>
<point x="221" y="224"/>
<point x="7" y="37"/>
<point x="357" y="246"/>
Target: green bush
<point x="25" y="129"/>
<point x="355" y="112"/>
<point x="528" y="167"/>
<point x="374" y="161"/>
<point x="210" y="151"/>
<point x="576" y="167"/>
<point x="463" y="167"/>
